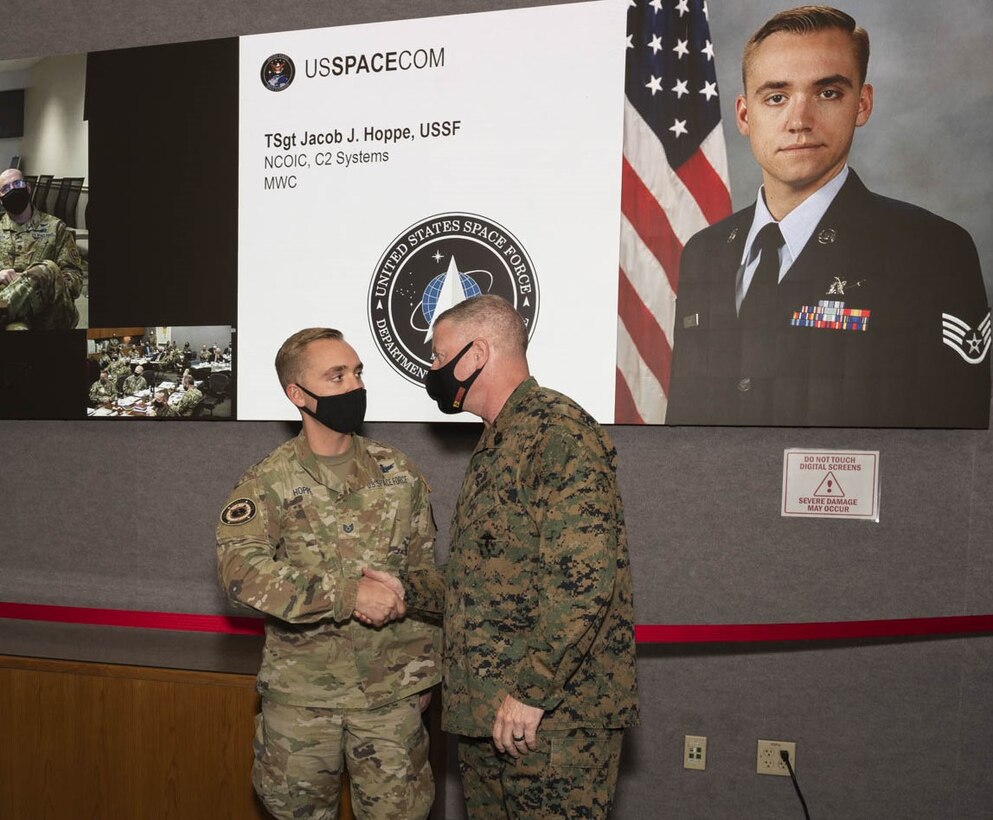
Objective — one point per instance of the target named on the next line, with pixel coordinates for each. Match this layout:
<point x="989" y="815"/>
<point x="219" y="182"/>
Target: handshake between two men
<point x="379" y="599"/>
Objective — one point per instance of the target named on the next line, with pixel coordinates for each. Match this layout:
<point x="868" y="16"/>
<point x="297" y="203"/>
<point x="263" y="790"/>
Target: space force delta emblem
<point x="971" y="343"/>
<point x="432" y="266"/>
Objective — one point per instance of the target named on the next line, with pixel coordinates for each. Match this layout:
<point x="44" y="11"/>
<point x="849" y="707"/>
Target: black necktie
<point x="759" y="304"/>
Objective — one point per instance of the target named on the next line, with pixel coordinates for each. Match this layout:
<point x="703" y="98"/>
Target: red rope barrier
<point x="181" y="621"/>
<point x="644" y="633"/>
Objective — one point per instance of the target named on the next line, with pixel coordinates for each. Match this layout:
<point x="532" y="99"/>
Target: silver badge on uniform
<point x="732" y="235"/>
<point x="827" y="236"/>
<point x="837" y="287"/>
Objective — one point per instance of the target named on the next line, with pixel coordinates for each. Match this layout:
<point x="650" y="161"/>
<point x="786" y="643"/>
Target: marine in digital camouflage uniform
<point x="294" y="536"/>
<point x="539" y="660"/>
<point x="48" y="270"/>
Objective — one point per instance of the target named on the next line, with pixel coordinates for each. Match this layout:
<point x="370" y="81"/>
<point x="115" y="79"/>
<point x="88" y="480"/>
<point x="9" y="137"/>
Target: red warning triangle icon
<point x="829" y="488"/>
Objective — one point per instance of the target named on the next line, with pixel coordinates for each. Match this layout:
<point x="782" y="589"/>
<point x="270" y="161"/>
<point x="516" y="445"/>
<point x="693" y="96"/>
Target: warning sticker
<point x="831" y="484"/>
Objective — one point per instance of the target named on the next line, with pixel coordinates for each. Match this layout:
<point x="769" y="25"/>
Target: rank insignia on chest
<point x="487" y="545"/>
<point x="831" y="315"/>
<point x="348" y="527"/>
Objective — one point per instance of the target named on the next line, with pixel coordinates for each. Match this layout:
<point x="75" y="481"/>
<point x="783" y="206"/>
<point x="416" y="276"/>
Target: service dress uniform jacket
<point x="881" y="321"/>
<point x="538" y="602"/>
<point x="292" y="542"/>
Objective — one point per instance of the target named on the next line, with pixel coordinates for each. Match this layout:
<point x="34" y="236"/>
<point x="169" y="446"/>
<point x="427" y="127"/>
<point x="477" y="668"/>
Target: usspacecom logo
<point x="434" y="265"/>
<point x="277" y="72"/>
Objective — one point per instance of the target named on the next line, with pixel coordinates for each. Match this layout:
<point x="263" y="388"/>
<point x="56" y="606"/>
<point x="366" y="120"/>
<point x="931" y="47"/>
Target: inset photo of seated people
<point x="160" y="372"/>
<point x="43" y="194"/>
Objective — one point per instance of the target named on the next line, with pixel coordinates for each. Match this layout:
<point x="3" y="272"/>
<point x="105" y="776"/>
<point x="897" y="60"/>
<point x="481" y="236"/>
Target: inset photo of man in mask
<point x="41" y="271"/>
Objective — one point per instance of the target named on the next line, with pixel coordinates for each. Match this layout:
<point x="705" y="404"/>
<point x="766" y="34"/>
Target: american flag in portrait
<point x="674" y="183"/>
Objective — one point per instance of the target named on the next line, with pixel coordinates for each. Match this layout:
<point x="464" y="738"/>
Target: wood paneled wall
<point x="81" y="740"/>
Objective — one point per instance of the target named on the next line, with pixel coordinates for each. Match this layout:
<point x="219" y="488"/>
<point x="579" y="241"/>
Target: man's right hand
<point x="386" y="578"/>
<point x="8" y="275"/>
<point x="377" y="604"/>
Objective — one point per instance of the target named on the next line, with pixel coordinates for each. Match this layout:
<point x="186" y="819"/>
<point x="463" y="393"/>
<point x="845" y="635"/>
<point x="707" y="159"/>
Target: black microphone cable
<point x="786" y="759"/>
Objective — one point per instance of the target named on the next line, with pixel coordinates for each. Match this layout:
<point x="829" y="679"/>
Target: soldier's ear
<point x="480" y="353"/>
<point x="295" y="395"/>
<point x="741" y="114"/>
<point x="865" y="105"/>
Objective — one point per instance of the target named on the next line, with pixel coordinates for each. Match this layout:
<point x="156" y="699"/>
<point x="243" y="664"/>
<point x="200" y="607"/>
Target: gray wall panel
<point x="868" y="722"/>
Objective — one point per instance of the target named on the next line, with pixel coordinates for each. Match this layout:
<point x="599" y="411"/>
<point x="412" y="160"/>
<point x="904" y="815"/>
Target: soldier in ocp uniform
<point x="41" y="272"/>
<point x="539" y="653"/>
<point x="118" y="366"/>
<point x="191" y="397"/>
<point x="160" y="407"/>
<point x="135" y="382"/>
<point x="293" y="539"/>
<point x="103" y="390"/>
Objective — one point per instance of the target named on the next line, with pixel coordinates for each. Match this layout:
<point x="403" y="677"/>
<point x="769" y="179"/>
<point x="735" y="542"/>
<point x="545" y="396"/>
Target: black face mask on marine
<point x="447" y="391"/>
<point x="16" y="201"/>
<point x="343" y="413"/>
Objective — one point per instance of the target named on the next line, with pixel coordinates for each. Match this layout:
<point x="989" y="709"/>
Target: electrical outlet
<point x="695" y="752"/>
<point x="769" y="760"/>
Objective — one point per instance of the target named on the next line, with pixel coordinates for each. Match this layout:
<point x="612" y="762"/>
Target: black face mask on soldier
<point x="16" y="201"/>
<point x="448" y="391"/>
<point x="343" y="413"/>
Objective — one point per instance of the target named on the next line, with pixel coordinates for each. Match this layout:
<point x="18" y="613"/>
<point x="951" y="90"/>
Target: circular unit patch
<point x="277" y="72"/>
<point x="239" y="511"/>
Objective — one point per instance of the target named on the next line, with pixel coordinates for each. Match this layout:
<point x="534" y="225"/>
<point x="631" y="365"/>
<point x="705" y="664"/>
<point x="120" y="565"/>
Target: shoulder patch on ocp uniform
<point x="239" y="511"/>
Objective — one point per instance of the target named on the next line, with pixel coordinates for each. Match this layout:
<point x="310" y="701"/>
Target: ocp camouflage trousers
<point x="300" y="751"/>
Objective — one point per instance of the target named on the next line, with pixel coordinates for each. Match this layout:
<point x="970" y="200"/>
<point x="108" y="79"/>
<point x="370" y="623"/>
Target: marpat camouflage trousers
<point x="571" y="775"/>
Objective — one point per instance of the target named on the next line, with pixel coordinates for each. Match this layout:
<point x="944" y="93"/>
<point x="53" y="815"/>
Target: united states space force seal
<point x="432" y="266"/>
<point x="239" y="511"/>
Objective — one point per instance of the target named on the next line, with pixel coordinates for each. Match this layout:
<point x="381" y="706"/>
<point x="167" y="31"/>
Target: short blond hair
<point x="807" y="20"/>
<point x="495" y="316"/>
<point x="289" y="357"/>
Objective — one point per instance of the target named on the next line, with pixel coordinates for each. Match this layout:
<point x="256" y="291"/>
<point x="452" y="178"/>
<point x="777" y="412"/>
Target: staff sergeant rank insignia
<point x="971" y="343"/>
<point x="239" y="511"/>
